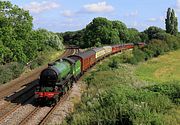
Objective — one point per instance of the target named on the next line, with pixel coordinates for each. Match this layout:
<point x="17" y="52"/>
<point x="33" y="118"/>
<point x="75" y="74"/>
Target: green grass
<point x="115" y="96"/>
<point x="165" y="68"/>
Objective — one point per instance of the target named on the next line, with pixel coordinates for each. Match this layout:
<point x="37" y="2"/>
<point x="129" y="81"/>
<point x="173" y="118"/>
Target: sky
<point x="72" y="15"/>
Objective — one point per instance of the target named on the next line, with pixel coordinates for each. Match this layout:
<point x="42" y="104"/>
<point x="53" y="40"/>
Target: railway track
<point x="10" y="108"/>
<point x="22" y="91"/>
<point x="18" y="101"/>
<point x="42" y="121"/>
<point x="27" y="118"/>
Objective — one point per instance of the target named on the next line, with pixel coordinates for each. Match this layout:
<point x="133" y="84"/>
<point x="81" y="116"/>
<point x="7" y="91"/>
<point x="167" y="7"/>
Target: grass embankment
<point x="44" y="58"/>
<point x="115" y="96"/>
<point x="165" y="68"/>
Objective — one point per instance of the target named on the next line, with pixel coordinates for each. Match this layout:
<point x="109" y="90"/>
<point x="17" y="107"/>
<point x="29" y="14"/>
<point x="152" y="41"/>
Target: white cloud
<point x="37" y="7"/>
<point x="161" y="18"/>
<point x="132" y="14"/>
<point x="71" y="24"/>
<point x="68" y="13"/>
<point x="100" y="7"/>
<point x="152" y="19"/>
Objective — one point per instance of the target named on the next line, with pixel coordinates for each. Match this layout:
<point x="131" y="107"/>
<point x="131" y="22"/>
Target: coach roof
<point x="86" y="54"/>
<point x="98" y="49"/>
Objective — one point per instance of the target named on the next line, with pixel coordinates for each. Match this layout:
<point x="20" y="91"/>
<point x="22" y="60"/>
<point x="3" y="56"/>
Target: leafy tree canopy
<point x="18" y="41"/>
<point x="171" y="22"/>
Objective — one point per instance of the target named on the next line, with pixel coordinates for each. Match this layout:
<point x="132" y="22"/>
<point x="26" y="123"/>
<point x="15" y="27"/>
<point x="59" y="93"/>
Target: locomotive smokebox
<point x="48" y="76"/>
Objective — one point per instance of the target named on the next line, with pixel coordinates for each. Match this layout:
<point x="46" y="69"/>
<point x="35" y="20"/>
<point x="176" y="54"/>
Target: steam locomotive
<point x="60" y="76"/>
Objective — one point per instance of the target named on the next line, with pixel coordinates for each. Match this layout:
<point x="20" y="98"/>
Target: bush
<point x="5" y="75"/>
<point x="10" y="71"/>
<point x="126" y="56"/>
<point x="113" y="64"/>
<point x="40" y="60"/>
<point x="121" y="105"/>
<point x="16" y="68"/>
<point x="138" y="56"/>
<point x="44" y="57"/>
<point x="33" y="65"/>
<point x="133" y="61"/>
<point x="172" y="90"/>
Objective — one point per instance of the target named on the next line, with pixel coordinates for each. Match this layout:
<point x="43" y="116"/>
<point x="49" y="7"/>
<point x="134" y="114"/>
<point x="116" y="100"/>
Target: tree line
<point x="159" y="41"/>
<point x="102" y="31"/>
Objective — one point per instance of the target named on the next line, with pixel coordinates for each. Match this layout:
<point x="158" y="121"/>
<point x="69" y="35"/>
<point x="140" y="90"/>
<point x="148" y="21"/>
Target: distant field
<point x="162" y="69"/>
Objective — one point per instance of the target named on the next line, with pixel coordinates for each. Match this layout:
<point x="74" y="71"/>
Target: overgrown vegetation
<point x="10" y="71"/>
<point x="113" y="64"/>
<point x="44" y="58"/>
<point x="13" y="70"/>
<point x="19" y="43"/>
<point x="114" y="96"/>
<point x="172" y="90"/>
<point x="159" y="43"/>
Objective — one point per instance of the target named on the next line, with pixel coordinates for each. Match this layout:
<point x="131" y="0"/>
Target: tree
<point x="134" y="35"/>
<point x="6" y="54"/>
<point x="122" y="29"/>
<point x="144" y="37"/>
<point x="54" y="41"/>
<point x="158" y="47"/>
<point x="153" y="32"/>
<point x="18" y="54"/>
<point x="171" y="22"/>
<point x="45" y="39"/>
<point x="168" y="21"/>
<point x="114" y="37"/>
<point x="174" y="22"/>
<point x="15" y="28"/>
<point x="73" y="38"/>
<point x="99" y="29"/>
<point x="14" y="20"/>
<point x="98" y="32"/>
